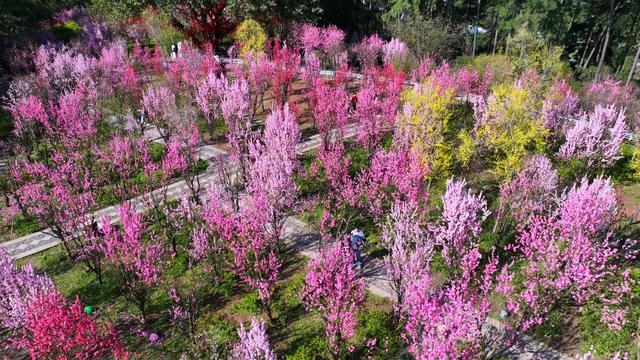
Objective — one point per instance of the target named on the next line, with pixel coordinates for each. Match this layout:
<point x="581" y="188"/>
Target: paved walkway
<point x="302" y="238"/>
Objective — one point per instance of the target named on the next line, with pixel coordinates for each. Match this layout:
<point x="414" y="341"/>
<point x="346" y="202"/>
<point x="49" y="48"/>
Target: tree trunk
<point x="586" y="47"/>
<point x="607" y="35"/>
<point x="475" y="30"/>
<point x="495" y="36"/>
<point x="633" y="67"/>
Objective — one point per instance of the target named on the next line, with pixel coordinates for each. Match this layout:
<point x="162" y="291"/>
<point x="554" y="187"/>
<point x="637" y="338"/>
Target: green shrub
<point x="379" y="325"/>
<point x="248" y="304"/>
<point x="66" y="31"/>
<point x="25" y="227"/>
<point x="428" y="37"/>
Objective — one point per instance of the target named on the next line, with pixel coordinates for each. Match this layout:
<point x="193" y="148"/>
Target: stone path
<point x="303" y="239"/>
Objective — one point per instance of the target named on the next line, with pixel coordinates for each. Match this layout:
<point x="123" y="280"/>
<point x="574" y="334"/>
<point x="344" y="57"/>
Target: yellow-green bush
<point x="500" y="66"/>
<point x="530" y="51"/>
<point x="635" y="161"/>
<point x="251" y="37"/>
<point x="425" y="120"/>
<point x="510" y="128"/>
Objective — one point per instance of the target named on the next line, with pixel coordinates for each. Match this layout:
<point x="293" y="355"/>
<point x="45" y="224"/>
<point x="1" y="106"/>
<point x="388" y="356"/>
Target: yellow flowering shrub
<point x="427" y="111"/>
<point x="251" y="37"/>
<point x="510" y="127"/>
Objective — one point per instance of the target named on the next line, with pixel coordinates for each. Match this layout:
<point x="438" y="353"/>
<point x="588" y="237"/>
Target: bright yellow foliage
<point x="511" y="127"/>
<point x="635" y="161"/>
<point x="425" y="118"/>
<point x="251" y="37"/>
<point x="466" y="147"/>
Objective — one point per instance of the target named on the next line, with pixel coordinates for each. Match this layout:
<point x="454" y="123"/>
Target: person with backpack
<point x="357" y="242"/>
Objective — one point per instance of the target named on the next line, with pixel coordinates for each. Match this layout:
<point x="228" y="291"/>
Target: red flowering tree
<point x="56" y="329"/>
<point x="208" y="24"/>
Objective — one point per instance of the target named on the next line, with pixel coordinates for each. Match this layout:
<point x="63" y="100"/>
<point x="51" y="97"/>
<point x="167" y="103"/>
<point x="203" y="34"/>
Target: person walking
<point x="357" y="241"/>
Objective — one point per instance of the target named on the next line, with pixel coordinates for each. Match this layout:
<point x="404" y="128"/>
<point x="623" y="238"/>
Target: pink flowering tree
<point x="594" y="140"/>
<point x="18" y="288"/>
<point x="445" y="322"/>
<point x="610" y="92"/>
<point x="409" y="244"/>
<point x="255" y="254"/>
<point x="253" y="343"/>
<point x="377" y="106"/>
<point x="60" y="197"/>
<point x="394" y="175"/>
<point x="394" y="52"/>
<point x="462" y="215"/>
<point x="55" y="328"/>
<point x="209" y="92"/>
<point x="235" y="111"/>
<point x="560" y="265"/>
<point x="532" y="192"/>
<point x="135" y="254"/>
<point x="559" y="108"/>
<point x="159" y="103"/>
<point x="275" y="163"/>
<point x="333" y="289"/>
<point x="589" y="207"/>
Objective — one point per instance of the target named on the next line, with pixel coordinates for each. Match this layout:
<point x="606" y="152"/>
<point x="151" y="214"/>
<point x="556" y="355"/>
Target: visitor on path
<point x="174" y="50"/>
<point x="357" y="241"/>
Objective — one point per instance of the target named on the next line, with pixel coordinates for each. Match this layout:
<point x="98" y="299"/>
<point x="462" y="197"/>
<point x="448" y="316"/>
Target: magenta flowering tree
<point x="259" y="73"/>
<point x="369" y="50"/>
<point x="330" y="108"/>
<point x="123" y="158"/>
<point x="286" y="65"/>
<point x="135" y="254"/>
<point x="18" y="288"/>
<point x="69" y="122"/>
<point x="595" y="139"/>
<point x="409" y="244"/>
<point x="532" y="192"/>
<point x="446" y="322"/>
<point x="462" y="217"/>
<point x="376" y="111"/>
<point x="333" y="289"/>
<point x="472" y="83"/>
<point x="253" y="344"/>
